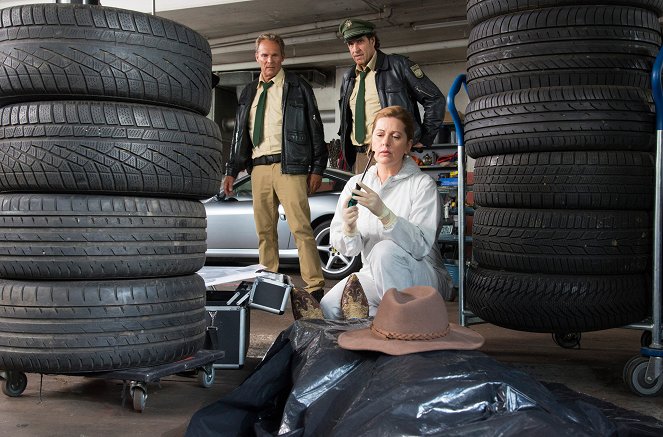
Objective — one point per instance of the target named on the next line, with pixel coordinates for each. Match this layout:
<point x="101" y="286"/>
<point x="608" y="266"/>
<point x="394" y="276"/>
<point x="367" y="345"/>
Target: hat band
<point x="401" y="336"/>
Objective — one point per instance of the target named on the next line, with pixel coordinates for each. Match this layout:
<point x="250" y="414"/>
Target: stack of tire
<point x="561" y="124"/>
<point x="105" y="154"/>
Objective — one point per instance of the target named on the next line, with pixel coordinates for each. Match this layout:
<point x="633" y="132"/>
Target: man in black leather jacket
<point x="391" y="80"/>
<point x="279" y="138"/>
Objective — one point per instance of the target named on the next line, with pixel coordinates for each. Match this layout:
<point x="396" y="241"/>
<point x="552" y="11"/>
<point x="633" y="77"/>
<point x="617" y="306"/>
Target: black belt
<point x="267" y="159"/>
<point x="362" y="149"/>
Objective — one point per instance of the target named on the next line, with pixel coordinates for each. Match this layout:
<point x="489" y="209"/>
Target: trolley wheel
<point x="645" y="338"/>
<point x="635" y="371"/>
<point x="626" y="371"/>
<point x="568" y="340"/>
<point x="14" y="384"/>
<point x="139" y="396"/>
<point x="206" y="376"/>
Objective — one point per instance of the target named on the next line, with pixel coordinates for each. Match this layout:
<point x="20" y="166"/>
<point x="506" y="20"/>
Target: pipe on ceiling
<point x="344" y="56"/>
<point x="283" y="31"/>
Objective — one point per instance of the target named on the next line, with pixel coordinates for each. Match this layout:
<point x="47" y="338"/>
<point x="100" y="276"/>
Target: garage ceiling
<point x="429" y="31"/>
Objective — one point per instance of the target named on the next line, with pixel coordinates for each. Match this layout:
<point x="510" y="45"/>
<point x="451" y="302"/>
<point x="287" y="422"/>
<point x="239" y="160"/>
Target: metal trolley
<point x="136" y="379"/>
<point x="643" y="373"/>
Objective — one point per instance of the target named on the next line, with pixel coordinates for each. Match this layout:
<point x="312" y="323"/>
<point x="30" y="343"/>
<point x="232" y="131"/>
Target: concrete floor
<point x="79" y="406"/>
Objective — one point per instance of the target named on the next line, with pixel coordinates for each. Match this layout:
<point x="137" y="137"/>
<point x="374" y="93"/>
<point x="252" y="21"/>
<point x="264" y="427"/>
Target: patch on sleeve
<point x="417" y="71"/>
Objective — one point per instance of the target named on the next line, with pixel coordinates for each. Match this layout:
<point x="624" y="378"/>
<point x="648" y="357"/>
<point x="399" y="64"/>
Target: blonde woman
<point x="395" y="223"/>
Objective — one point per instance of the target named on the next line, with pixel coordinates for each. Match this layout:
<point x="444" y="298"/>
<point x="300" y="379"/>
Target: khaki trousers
<point x="269" y="188"/>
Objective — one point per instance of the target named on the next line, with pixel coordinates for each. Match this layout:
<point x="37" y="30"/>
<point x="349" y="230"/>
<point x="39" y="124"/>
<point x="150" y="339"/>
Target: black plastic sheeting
<point x="307" y="385"/>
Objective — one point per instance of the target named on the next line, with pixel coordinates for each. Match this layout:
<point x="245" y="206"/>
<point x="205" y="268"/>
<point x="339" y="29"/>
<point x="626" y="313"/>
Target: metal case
<point x="228" y="326"/>
<point x="270" y="293"/>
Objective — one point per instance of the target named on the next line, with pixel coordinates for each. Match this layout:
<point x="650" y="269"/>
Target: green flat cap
<point x="352" y="28"/>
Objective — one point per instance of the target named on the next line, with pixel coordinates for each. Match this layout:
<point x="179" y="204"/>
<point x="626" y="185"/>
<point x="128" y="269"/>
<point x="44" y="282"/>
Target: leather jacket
<point x="398" y="83"/>
<point x="303" y="150"/>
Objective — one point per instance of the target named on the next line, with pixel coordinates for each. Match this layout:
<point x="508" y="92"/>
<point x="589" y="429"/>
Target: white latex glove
<point x="350" y="215"/>
<point x="371" y="201"/>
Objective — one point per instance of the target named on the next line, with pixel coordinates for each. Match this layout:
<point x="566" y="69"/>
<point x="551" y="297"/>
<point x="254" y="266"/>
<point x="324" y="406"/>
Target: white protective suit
<point x="404" y="255"/>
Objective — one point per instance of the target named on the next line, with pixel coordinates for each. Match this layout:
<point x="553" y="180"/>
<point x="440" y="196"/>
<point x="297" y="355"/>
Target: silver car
<point x="231" y="231"/>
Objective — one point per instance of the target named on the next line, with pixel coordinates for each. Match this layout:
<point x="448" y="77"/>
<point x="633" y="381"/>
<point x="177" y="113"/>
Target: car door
<point x="231" y="228"/>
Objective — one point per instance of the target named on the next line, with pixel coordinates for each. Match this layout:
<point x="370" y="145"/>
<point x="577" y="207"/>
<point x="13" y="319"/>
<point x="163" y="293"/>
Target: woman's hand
<point x="350" y="215"/>
<point x="371" y="201"/>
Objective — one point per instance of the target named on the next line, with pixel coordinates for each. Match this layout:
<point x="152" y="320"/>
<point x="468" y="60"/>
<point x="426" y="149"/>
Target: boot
<point x="354" y="304"/>
<point x="304" y="305"/>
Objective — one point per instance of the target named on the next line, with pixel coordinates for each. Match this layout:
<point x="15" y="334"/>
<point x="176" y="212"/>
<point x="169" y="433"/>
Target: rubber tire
<point x="559" y="119"/>
<point x="15" y="384"/>
<point x="60" y="236"/>
<point x="562" y="242"/>
<point x="563" y="46"/>
<point x="481" y="10"/>
<point x="535" y="302"/>
<point x="139" y="399"/>
<point x="109" y="148"/>
<point x="91" y="326"/>
<point x="635" y="378"/>
<point x="334" y="265"/>
<point x="68" y="51"/>
<point x="205" y="379"/>
<point x="566" y="180"/>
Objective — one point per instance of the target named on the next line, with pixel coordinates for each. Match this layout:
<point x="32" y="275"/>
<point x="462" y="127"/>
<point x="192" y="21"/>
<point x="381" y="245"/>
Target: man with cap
<point x="376" y="81"/>
<point x="279" y="139"/>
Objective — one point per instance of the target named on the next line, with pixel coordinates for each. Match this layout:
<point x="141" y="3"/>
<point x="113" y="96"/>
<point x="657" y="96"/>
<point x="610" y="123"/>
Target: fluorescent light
<point x="439" y="24"/>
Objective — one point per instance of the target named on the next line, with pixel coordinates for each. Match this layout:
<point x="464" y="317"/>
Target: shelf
<point x="447" y="189"/>
<point x="436" y="146"/>
<point x="452" y="238"/>
<point x="439" y="167"/>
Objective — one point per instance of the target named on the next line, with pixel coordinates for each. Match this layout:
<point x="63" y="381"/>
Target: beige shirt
<point x="372" y="101"/>
<point x="272" y="134"/>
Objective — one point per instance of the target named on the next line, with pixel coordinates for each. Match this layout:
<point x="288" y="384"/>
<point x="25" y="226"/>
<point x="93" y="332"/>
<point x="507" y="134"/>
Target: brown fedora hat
<point x="409" y="321"/>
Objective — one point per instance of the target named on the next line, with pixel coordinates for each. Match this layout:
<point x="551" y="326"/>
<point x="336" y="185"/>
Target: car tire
<point x="91" y="326"/>
<point x="109" y="148"/>
<point x="481" y="10"/>
<point x="60" y="236"/>
<point x="576" y="242"/>
<point x="562" y="46"/>
<point x="607" y="180"/>
<point x="536" y="302"/>
<point x="555" y="119"/>
<point x="69" y="51"/>
<point x="334" y="265"/>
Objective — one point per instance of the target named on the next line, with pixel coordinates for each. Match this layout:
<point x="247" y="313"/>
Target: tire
<point x="556" y="303"/>
<point x="560" y="118"/>
<point x="15" y="384"/>
<point x="481" y="10"/>
<point x="67" y="51"/>
<point x="566" y="180"/>
<point x="109" y="148"/>
<point x="334" y="265"/>
<point x="562" y="242"/>
<point x="90" y="326"/>
<point x="563" y="46"/>
<point x="53" y="236"/>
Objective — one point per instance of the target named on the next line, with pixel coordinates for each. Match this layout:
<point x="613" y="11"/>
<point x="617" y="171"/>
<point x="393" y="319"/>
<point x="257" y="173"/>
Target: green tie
<point x="360" y="109"/>
<point x="259" y="122"/>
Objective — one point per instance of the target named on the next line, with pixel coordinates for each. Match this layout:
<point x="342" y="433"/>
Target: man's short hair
<point x="271" y="37"/>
